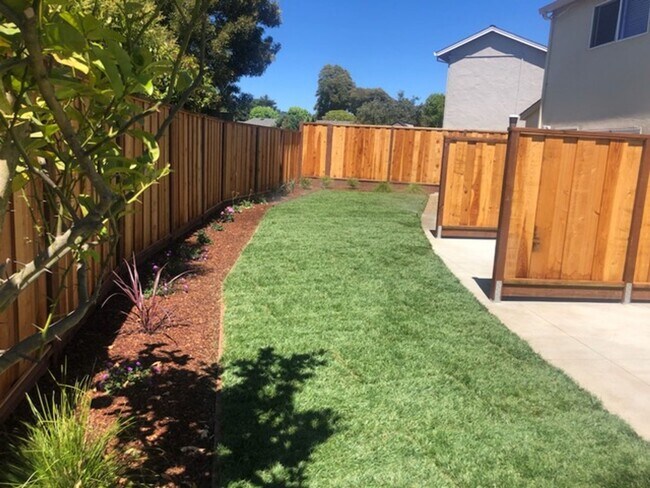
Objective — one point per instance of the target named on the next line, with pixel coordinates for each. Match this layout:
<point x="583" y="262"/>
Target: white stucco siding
<point x="602" y="88"/>
<point x="489" y="80"/>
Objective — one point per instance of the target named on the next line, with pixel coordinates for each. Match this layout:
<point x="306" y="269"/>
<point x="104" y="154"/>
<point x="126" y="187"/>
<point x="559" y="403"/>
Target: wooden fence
<point x="470" y="187"/>
<point x="212" y="162"/>
<point x="575" y="217"/>
<point x="377" y="153"/>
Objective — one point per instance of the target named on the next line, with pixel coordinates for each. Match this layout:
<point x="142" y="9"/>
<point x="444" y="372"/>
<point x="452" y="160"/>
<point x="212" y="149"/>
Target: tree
<point x="335" y="88"/>
<point x="361" y="96"/>
<point x="264" y="101"/>
<point x="339" y="116"/>
<point x="403" y="110"/>
<point x="68" y="81"/>
<point x="263" y="113"/>
<point x="433" y="110"/>
<point x="236" y="42"/>
<point x="293" y="118"/>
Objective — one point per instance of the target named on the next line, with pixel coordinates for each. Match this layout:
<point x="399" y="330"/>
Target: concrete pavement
<point x="604" y="347"/>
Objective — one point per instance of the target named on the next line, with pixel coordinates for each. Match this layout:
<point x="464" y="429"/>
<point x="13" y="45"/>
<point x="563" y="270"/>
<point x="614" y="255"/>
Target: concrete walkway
<point x="604" y="347"/>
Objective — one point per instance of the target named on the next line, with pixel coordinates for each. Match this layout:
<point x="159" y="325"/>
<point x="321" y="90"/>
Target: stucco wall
<point x="490" y="79"/>
<point x="603" y="88"/>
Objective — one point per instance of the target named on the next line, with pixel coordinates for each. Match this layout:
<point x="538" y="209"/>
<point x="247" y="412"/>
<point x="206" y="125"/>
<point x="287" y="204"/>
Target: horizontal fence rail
<point x="212" y="162"/>
<point x="575" y="217"/>
<point x="470" y="187"/>
<point x="377" y="153"/>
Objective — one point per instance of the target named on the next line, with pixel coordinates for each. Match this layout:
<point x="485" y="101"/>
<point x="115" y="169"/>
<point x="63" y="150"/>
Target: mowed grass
<point x="354" y="358"/>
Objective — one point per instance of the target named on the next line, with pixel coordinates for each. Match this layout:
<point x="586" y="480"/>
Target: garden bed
<point x="164" y="383"/>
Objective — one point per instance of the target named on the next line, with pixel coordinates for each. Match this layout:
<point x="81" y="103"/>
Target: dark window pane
<point x="605" y="22"/>
<point x="635" y="18"/>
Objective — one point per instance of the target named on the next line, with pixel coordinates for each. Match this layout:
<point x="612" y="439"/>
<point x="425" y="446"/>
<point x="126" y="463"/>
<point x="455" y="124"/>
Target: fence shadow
<point x="265" y="440"/>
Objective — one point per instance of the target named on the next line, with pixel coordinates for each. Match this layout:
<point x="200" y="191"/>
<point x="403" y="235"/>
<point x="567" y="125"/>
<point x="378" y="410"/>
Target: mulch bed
<point x="170" y="436"/>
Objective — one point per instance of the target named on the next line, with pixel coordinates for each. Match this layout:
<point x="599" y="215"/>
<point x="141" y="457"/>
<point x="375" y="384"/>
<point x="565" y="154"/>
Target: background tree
<point x="68" y="80"/>
<point x="292" y="119"/>
<point x="339" y="116"/>
<point x="263" y="113"/>
<point x="360" y="96"/>
<point x="403" y="110"/>
<point x="335" y="87"/>
<point x="264" y="101"/>
<point x="236" y="42"/>
<point x="433" y="110"/>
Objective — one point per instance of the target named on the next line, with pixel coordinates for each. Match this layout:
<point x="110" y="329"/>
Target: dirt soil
<point x="171" y="414"/>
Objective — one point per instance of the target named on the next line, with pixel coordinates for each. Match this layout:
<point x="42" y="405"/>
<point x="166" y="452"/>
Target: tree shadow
<point x="265" y="439"/>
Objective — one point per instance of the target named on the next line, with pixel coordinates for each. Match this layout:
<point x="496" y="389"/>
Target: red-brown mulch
<point x="171" y="437"/>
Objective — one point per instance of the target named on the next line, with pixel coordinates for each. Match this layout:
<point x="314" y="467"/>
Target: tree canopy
<point x="339" y="116"/>
<point x="433" y="110"/>
<point x="262" y="112"/>
<point x="292" y="119"/>
<point x="335" y="88"/>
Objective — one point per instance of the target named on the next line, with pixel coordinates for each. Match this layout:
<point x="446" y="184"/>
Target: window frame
<point x="619" y="21"/>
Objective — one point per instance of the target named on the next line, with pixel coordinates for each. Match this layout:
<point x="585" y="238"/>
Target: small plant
<point x="305" y="183"/>
<point x="121" y="375"/>
<point x="326" y="182"/>
<point x="414" y="188"/>
<point x="288" y="187"/>
<point x="227" y="215"/>
<point x="353" y="183"/>
<point x="148" y="313"/>
<point x="61" y="449"/>
<point x="383" y="187"/>
<point x="243" y="205"/>
<point x="202" y="238"/>
<point x="216" y="226"/>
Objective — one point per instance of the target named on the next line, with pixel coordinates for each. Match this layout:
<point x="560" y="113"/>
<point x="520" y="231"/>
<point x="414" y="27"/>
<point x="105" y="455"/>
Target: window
<point x="619" y="19"/>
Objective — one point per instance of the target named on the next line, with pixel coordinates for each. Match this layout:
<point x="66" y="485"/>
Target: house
<point x="262" y="122"/>
<point x="598" y="66"/>
<point x="492" y="75"/>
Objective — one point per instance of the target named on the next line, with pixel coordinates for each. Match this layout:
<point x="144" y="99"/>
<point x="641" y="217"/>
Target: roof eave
<point x="548" y="10"/>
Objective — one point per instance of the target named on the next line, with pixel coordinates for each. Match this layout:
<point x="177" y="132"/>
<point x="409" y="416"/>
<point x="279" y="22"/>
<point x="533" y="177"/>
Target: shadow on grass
<point x="266" y="440"/>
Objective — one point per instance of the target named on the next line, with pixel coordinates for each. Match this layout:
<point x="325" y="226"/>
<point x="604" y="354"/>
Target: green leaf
<point x="19" y="181"/>
<point x="107" y="65"/>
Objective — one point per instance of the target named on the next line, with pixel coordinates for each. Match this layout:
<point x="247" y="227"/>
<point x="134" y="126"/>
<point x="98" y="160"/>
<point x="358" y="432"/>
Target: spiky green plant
<point x="60" y="449"/>
<point x="383" y="187"/>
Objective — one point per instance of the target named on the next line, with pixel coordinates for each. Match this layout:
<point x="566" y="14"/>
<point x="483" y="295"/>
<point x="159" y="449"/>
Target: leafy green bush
<point x="202" y="238"/>
<point x="60" y="449"/>
<point x="326" y="182"/>
<point x="383" y="187"/>
<point x="288" y="187"/>
<point x="339" y="116"/>
<point x="353" y="183"/>
<point x="305" y="183"/>
<point x="216" y="226"/>
<point x="414" y="188"/>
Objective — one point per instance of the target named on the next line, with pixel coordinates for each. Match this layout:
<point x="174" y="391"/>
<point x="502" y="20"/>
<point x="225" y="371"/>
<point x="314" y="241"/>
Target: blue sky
<point x="386" y="44"/>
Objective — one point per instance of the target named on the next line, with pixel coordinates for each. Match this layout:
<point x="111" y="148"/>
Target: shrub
<point x="305" y="183"/>
<point x="326" y="182"/>
<point x="228" y="214"/>
<point x="288" y="187"/>
<point x="121" y="375"/>
<point x="414" y="188"/>
<point x="339" y="116"/>
<point x="60" y="449"/>
<point x="148" y="313"/>
<point x="203" y="238"/>
<point x="353" y="183"/>
<point x="383" y="187"/>
<point x="243" y="205"/>
<point x="216" y="226"/>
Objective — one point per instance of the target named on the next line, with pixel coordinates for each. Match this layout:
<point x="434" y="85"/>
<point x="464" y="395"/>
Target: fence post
<point x="505" y="214"/>
<point x="443" y="183"/>
<point x="637" y="221"/>
<point x="328" y="153"/>
<point x="391" y="144"/>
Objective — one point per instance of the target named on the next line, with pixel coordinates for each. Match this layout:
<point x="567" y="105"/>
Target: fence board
<point x="567" y="228"/>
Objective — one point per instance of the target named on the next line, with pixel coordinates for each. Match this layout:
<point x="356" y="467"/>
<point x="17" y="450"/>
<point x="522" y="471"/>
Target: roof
<point x="531" y="110"/>
<point x="262" y="122"/>
<point x="547" y="10"/>
<point x="443" y="55"/>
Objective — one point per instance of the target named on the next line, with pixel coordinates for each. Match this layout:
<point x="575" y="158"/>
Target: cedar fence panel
<point x="575" y="220"/>
<point x="470" y="189"/>
<point x="377" y="153"/>
<point x="212" y="163"/>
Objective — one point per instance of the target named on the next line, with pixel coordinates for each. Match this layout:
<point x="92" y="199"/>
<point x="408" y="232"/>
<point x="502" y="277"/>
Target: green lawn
<point x="354" y="358"/>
